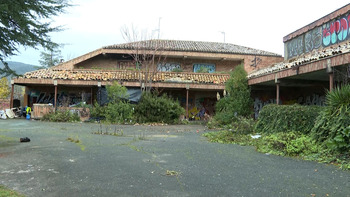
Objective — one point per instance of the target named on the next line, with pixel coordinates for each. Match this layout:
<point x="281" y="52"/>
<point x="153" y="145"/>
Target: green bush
<point x="120" y="112"/>
<point x="237" y="102"/>
<point x="97" y="111"/>
<point x="285" y="118"/>
<point x="241" y="126"/>
<point x="332" y="126"/>
<point x="289" y="144"/>
<point x="153" y="108"/>
<point x="61" y="116"/>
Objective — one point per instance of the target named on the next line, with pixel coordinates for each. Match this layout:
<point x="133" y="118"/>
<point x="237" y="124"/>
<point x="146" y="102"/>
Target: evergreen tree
<point x="50" y="57"/>
<point x="237" y="102"/>
<point x="24" y="23"/>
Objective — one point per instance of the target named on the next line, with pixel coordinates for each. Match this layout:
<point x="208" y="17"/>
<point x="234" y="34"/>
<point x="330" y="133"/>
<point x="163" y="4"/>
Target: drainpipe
<point x="12" y="90"/>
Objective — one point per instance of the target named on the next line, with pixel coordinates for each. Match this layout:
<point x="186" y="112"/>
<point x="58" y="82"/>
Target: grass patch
<point x="5" y="192"/>
<point x="77" y="142"/>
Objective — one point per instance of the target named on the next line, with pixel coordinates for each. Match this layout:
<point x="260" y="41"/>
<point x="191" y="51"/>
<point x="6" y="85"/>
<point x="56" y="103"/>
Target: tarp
<point x="134" y="95"/>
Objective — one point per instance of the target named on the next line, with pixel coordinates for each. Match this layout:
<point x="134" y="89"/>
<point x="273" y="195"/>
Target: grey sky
<point x="92" y="24"/>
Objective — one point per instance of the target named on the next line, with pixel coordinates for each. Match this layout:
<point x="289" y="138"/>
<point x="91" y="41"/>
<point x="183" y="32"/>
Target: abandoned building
<point x="82" y="78"/>
<point x="316" y="59"/>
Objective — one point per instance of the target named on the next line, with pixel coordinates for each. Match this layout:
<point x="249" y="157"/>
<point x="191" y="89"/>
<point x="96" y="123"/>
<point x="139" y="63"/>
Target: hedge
<point x="284" y="118"/>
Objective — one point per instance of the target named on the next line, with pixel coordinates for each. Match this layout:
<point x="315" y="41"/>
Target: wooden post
<point x="331" y="84"/>
<point x="12" y="90"/>
<point x="91" y="99"/>
<point x="187" y="90"/>
<point x="55" y="84"/>
<point x="278" y="93"/>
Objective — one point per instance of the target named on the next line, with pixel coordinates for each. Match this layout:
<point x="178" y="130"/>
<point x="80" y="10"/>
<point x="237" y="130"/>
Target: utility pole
<point x="224" y="35"/>
<point x="159" y="27"/>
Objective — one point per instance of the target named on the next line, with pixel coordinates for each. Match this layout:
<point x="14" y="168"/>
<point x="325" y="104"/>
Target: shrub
<point x="152" y="108"/>
<point x="289" y="144"/>
<point x="61" y="116"/>
<point x="120" y="112"/>
<point x="332" y="126"/>
<point x="237" y="102"/>
<point x="284" y="118"/>
<point x="97" y="111"/>
<point x="241" y="126"/>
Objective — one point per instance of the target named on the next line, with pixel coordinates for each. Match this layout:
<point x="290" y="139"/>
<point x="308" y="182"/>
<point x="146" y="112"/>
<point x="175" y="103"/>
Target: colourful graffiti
<point x="335" y="31"/>
<point x="330" y="33"/>
<point x="198" y="67"/>
<point x="168" y="67"/>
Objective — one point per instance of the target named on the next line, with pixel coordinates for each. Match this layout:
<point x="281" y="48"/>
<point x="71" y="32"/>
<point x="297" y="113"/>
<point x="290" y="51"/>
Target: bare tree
<point x="147" y="53"/>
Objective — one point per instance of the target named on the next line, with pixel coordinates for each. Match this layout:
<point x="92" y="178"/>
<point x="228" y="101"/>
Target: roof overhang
<point x="90" y="83"/>
<point x="309" y="72"/>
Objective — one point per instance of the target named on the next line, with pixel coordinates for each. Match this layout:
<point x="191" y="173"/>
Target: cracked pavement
<point x="173" y="160"/>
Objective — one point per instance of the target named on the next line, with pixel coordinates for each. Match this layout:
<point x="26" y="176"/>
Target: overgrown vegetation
<point x="61" y="116"/>
<point x="237" y="102"/>
<point x="308" y="132"/>
<point x="275" y="118"/>
<point x="118" y="109"/>
<point x="154" y="108"/>
<point x="332" y="127"/>
<point x="151" y="108"/>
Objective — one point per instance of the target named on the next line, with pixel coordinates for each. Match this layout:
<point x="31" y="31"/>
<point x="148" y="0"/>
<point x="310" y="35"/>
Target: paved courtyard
<point x="68" y="159"/>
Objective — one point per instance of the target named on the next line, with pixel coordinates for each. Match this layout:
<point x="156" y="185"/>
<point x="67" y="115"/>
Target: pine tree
<point x="24" y="23"/>
<point x="50" y="57"/>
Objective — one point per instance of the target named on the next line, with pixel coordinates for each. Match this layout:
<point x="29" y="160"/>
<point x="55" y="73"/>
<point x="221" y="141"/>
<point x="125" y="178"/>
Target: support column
<point x="12" y="90"/>
<point x="55" y="84"/>
<point x="187" y="90"/>
<point x="91" y="99"/>
<point x="331" y="84"/>
<point x="330" y="72"/>
<point x="277" y="82"/>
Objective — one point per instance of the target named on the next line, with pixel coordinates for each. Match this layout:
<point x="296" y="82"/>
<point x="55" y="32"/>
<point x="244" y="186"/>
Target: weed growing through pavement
<point x="108" y="131"/>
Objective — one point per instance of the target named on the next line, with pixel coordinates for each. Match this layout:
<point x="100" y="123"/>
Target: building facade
<point x="170" y="66"/>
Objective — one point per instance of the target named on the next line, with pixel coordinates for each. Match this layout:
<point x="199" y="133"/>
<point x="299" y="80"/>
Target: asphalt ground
<point x="68" y="159"/>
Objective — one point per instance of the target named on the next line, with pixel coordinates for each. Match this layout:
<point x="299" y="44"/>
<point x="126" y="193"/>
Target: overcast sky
<point x="259" y="24"/>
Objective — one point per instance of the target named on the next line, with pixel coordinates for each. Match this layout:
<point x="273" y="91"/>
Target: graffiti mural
<point x="63" y="99"/>
<point x="313" y="39"/>
<point x="295" y="47"/>
<point x="168" y="67"/>
<point x="330" y="33"/>
<point x="336" y="31"/>
<point x="210" y="67"/>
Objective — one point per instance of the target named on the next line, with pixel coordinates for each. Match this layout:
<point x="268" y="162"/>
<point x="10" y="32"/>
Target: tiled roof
<point x="191" y="46"/>
<point x="127" y="75"/>
<point x="315" y="56"/>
